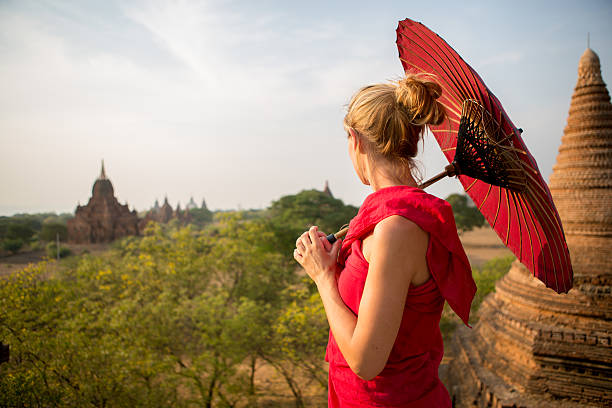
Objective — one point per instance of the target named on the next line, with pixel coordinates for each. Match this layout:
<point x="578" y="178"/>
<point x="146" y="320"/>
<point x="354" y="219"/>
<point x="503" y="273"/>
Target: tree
<point x="200" y="216"/>
<point x="293" y="214"/>
<point x="50" y="230"/>
<point x="467" y="216"/>
<point x="19" y="231"/>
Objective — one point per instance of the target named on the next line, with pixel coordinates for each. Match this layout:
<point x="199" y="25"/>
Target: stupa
<point x="532" y="347"/>
<point x="103" y="219"/>
<point x="326" y="190"/>
<point x="165" y="212"/>
<point x="191" y="204"/>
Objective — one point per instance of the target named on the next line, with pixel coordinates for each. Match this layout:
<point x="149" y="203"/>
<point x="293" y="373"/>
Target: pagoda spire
<point x="326" y="190"/>
<point x="102" y="172"/>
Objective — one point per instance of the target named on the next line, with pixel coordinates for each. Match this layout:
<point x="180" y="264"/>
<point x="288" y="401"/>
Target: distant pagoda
<point x="191" y="204"/>
<point x="532" y="347"/>
<point x="103" y="219"/>
<point x="165" y="213"/>
<point x="326" y="190"/>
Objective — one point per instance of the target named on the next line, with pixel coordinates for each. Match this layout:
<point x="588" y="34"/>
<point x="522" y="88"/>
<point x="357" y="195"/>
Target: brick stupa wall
<point x="532" y="347"/>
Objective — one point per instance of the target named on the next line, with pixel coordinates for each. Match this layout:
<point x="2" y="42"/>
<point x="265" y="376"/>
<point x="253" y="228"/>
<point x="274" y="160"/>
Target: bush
<point x="52" y="250"/>
<point x="12" y="245"/>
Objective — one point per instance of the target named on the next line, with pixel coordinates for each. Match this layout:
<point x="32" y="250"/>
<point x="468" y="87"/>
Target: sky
<point x="241" y="102"/>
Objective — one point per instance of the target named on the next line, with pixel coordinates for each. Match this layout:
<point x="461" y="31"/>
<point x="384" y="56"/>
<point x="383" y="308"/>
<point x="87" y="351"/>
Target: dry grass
<point x="483" y="244"/>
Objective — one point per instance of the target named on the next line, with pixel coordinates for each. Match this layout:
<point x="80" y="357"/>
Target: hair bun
<point x="418" y="95"/>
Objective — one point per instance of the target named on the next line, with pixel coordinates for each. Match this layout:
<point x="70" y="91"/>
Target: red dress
<point x="410" y="377"/>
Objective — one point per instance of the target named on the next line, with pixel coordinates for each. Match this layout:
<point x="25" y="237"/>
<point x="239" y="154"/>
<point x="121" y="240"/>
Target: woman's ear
<point x="356" y="140"/>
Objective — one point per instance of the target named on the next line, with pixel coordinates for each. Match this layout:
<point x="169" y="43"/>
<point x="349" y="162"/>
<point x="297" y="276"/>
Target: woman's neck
<point x="381" y="175"/>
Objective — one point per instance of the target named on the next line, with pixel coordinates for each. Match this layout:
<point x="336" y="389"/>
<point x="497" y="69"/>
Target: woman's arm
<point x="397" y="245"/>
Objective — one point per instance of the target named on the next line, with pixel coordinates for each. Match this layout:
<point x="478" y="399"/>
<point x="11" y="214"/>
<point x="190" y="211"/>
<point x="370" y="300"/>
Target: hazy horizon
<point x="240" y="103"/>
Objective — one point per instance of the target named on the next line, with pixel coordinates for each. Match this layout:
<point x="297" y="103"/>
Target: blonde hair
<point x="391" y="117"/>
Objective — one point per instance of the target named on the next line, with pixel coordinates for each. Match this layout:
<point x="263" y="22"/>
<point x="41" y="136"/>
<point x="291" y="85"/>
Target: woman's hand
<point x="316" y="255"/>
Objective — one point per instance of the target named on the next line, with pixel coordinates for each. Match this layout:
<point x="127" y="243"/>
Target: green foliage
<point x="200" y="216"/>
<point x="291" y="215"/>
<point x="467" y="216"/>
<point x="50" y="230"/>
<point x="19" y="231"/>
<point x="485" y="278"/>
<point x="12" y="245"/>
<point x="179" y="317"/>
<point x="51" y="250"/>
<point x="25" y="222"/>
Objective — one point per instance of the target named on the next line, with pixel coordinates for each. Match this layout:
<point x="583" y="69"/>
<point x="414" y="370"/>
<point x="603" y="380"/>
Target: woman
<point x="384" y="286"/>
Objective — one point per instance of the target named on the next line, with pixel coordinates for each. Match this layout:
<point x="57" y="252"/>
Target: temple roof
<point x="102" y="185"/>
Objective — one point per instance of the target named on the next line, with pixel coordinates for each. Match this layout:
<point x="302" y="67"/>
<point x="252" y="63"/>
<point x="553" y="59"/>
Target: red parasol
<point x="491" y="160"/>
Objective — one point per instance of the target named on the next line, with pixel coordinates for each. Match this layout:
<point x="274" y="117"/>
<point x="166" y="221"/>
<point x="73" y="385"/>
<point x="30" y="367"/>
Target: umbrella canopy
<point x="507" y="186"/>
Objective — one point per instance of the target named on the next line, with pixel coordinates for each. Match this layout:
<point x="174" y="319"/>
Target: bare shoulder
<point x="398" y="228"/>
<point x="397" y="223"/>
<point x="397" y="234"/>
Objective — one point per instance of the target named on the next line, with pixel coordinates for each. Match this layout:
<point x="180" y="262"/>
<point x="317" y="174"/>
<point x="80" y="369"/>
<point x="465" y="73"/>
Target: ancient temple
<point x="103" y="219"/>
<point x="165" y="213"/>
<point x="532" y="347"/>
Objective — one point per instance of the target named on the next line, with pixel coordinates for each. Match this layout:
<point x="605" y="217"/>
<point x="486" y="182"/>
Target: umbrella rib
<point x="546" y="231"/>
<point x="486" y="196"/>
<point x="540" y="190"/>
<point x="450" y="109"/>
<point x="548" y="234"/>
<point x="452" y="97"/>
<point x="450" y="69"/>
<point x="453" y="56"/>
<point x="522" y="214"/>
<point x="448" y="87"/>
<point x="518" y="222"/>
<point x="457" y="87"/>
<point x="508" y="216"/>
<point x="535" y="228"/>
<point x="498" y="205"/>
<point x="535" y="183"/>
<point x="450" y="75"/>
<point x="470" y="186"/>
